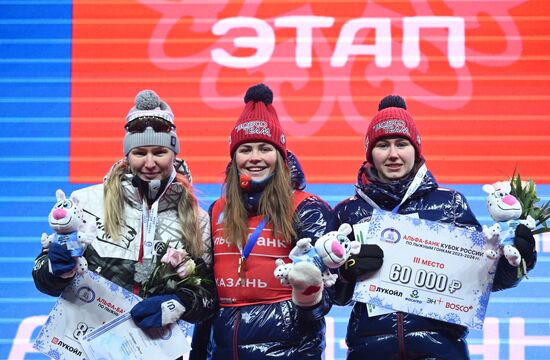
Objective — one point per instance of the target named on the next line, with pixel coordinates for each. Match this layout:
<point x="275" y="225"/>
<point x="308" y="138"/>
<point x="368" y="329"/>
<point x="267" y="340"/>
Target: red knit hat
<point x="392" y="120"/>
<point x="258" y="122"/>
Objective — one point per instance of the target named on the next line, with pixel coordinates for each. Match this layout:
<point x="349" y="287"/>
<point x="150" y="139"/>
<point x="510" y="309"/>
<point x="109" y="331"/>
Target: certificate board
<point x="430" y="269"/>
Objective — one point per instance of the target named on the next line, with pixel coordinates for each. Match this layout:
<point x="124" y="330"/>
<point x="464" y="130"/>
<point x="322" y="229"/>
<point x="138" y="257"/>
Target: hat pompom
<point x="147" y="100"/>
<point x="260" y="92"/>
<point x="392" y="101"/>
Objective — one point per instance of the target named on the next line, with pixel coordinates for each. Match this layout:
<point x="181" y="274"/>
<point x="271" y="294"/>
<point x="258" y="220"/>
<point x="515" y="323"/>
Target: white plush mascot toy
<point x="309" y="270"/>
<point x="66" y="220"/>
<point x="503" y="208"/>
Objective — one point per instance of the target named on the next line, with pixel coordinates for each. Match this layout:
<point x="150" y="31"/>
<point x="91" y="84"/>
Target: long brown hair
<point x="275" y="202"/>
<point x="187" y="209"/>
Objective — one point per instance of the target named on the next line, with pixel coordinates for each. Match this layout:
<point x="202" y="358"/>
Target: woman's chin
<point x="258" y="178"/>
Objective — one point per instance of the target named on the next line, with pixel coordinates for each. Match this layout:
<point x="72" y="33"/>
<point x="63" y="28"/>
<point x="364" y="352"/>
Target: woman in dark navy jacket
<point x="395" y="174"/>
<point x="258" y="220"/>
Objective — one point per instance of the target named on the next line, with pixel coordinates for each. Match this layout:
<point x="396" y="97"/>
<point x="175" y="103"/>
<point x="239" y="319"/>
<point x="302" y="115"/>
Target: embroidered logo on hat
<point x="392" y="127"/>
<point x="254" y="127"/>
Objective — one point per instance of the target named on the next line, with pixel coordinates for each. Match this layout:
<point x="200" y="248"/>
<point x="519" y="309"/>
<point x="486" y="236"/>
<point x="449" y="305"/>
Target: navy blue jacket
<point x="401" y="335"/>
<point x="280" y="330"/>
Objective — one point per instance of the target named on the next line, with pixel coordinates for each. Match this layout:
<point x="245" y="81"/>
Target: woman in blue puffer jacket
<point x="395" y="175"/>
<point x="262" y="214"/>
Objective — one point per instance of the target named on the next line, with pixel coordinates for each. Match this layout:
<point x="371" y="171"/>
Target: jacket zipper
<point x="400" y="335"/>
<point x="236" y="335"/>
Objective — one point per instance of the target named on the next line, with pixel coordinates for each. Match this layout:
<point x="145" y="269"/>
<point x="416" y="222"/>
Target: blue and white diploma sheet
<point x="430" y="269"/>
<point x="90" y="320"/>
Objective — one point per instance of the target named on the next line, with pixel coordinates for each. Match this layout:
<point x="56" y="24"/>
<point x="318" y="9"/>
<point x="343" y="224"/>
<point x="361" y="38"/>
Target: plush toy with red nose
<point x="309" y="271"/>
<point x="502" y="237"/>
<point x="66" y="219"/>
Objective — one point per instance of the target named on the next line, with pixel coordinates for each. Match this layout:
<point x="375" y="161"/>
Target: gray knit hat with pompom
<point x="148" y="105"/>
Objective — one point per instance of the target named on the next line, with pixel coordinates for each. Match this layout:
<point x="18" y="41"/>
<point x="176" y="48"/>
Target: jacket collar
<point x="388" y="194"/>
<point x="171" y="196"/>
<point x="168" y="200"/>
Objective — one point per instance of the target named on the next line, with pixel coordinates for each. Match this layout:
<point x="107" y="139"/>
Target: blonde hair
<point x="187" y="209"/>
<point x="275" y="202"/>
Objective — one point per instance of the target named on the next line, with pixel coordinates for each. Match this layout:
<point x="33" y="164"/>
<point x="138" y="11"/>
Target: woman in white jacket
<point x="144" y="207"/>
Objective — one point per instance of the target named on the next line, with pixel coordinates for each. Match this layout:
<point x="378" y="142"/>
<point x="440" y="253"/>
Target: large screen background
<point x="474" y="74"/>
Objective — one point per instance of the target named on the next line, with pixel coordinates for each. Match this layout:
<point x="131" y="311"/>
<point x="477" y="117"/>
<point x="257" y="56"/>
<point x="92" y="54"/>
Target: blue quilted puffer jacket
<point x="401" y="335"/>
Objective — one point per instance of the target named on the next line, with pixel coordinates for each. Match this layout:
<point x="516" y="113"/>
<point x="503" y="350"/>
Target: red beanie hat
<point x="392" y="120"/>
<point x="258" y="122"/>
